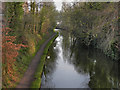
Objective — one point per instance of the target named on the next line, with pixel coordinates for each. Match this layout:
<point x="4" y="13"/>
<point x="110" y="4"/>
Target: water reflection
<point x="71" y="65"/>
<point x="103" y="71"/>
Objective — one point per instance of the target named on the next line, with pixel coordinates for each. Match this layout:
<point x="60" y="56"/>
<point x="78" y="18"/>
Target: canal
<point x="72" y="65"/>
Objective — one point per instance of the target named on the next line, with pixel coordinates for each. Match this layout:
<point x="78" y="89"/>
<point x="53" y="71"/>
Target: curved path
<point x="28" y="77"/>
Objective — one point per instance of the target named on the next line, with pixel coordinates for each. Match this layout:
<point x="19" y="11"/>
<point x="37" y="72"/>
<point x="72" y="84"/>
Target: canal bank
<point x="28" y="77"/>
<point x="74" y="66"/>
<point x="38" y="74"/>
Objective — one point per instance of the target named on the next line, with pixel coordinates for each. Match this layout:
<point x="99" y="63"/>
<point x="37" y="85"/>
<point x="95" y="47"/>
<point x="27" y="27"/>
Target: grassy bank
<point x="24" y="30"/>
<point x="37" y="82"/>
<point x="24" y="58"/>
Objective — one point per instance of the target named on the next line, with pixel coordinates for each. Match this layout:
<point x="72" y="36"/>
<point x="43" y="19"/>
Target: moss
<point x="37" y="82"/>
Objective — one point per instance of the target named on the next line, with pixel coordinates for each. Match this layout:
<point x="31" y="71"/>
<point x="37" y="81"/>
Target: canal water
<point x="70" y="65"/>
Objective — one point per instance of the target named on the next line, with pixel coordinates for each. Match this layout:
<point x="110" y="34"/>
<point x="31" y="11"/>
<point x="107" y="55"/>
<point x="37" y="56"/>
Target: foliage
<point x="28" y="22"/>
<point x="13" y="14"/>
<point x="9" y="53"/>
<point x="94" y="24"/>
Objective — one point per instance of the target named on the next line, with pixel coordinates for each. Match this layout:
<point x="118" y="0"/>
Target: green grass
<point x="23" y="60"/>
<point x="37" y="82"/>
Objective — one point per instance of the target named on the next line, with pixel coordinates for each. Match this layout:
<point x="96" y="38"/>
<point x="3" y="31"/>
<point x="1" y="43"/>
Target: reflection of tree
<point x="50" y="64"/>
<point x="106" y="71"/>
<point x="66" y="46"/>
<point x="81" y="60"/>
<point x="66" y="43"/>
<point x="103" y="72"/>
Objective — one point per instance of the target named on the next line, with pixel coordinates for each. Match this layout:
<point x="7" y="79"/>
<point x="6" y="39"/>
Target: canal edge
<point x="38" y="74"/>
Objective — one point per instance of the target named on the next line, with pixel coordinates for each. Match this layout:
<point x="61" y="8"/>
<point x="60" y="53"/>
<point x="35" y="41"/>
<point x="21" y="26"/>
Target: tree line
<point x="25" y="26"/>
<point x="94" y="24"/>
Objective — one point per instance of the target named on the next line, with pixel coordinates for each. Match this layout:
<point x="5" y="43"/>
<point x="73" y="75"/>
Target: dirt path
<point x="28" y="77"/>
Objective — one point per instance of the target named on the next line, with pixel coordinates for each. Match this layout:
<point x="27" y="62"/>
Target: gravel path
<point x="28" y="77"/>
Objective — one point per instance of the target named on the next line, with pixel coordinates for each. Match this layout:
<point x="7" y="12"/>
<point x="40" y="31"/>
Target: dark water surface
<point x="74" y="66"/>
